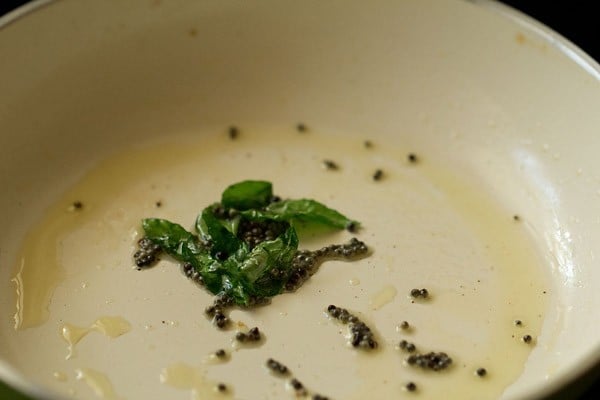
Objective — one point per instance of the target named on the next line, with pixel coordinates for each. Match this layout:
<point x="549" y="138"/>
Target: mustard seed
<point x="378" y="175"/>
<point x="221" y="353"/>
<point x="424" y="293"/>
<point x="233" y="132"/>
<point x="330" y="165"/>
<point x="277" y="367"/>
<point x="435" y="361"/>
<point x="352" y="227"/>
<point x="298" y="387"/>
<point x="221" y="387"/>
<point x="361" y="335"/>
<point x="147" y="253"/>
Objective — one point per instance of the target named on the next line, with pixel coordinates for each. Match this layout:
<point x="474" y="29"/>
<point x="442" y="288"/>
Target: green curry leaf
<point x="215" y="232"/>
<point x="227" y="264"/>
<point x="172" y="238"/>
<point x="246" y="195"/>
<point x="301" y="210"/>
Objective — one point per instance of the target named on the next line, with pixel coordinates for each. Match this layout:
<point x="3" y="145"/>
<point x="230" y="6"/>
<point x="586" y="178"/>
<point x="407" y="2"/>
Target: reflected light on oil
<point x="558" y="239"/>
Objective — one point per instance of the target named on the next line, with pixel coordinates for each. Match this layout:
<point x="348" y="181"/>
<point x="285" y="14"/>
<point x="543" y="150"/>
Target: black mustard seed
<point x="352" y="227"/>
<point x="277" y="367"/>
<point x="233" y="132"/>
<point x="435" y="361"/>
<point x="216" y="311"/>
<point x="147" y="253"/>
<point x="253" y="335"/>
<point x="330" y="165"/>
<point x="298" y="387"/>
<point x="416" y="293"/>
<point x="221" y="353"/>
<point x="361" y="335"/>
<point x="306" y="263"/>
<point x="378" y="175"/>
<point x="221" y="387"/>
<point x="300" y="127"/>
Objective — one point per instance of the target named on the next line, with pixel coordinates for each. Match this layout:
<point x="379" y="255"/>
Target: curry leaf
<point x="224" y="258"/>
<point x="247" y="194"/>
<point x="301" y="210"/>
<point x="212" y="230"/>
<point x="263" y="271"/>
<point x="172" y="238"/>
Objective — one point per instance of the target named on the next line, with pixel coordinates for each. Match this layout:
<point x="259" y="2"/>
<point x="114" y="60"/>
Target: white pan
<point x="108" y="108"/>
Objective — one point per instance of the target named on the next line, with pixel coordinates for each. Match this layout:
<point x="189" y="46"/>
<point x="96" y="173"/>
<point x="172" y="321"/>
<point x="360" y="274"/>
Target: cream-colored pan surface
<point x="119" y="112"/>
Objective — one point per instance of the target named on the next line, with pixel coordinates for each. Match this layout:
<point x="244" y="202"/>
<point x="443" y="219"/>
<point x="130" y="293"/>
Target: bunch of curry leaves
<point x="227" y="263"/>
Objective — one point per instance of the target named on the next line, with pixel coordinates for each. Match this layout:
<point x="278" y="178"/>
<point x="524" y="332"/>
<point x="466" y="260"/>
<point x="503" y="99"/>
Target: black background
<point x="575" y="20"/>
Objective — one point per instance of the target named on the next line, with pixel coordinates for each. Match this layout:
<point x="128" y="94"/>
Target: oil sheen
<point x="427" y="225"/>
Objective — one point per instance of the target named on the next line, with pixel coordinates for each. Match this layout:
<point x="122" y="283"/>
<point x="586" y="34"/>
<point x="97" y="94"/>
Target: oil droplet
<point x="60" y="376"/>
<point x="98" y="382"/>
<point x="185" y="377"/>
<point x="213" y="358"/>
<point x="111" y="327"/>
<point x="402" y="328"/>
<point x="34" y="288"/>
<point x="354" y="281"/>
<point x="383" y="297"/>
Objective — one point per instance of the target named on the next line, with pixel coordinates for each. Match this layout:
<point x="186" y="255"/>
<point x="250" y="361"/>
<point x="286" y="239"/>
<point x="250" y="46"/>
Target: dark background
<point x="576" y="20"/>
